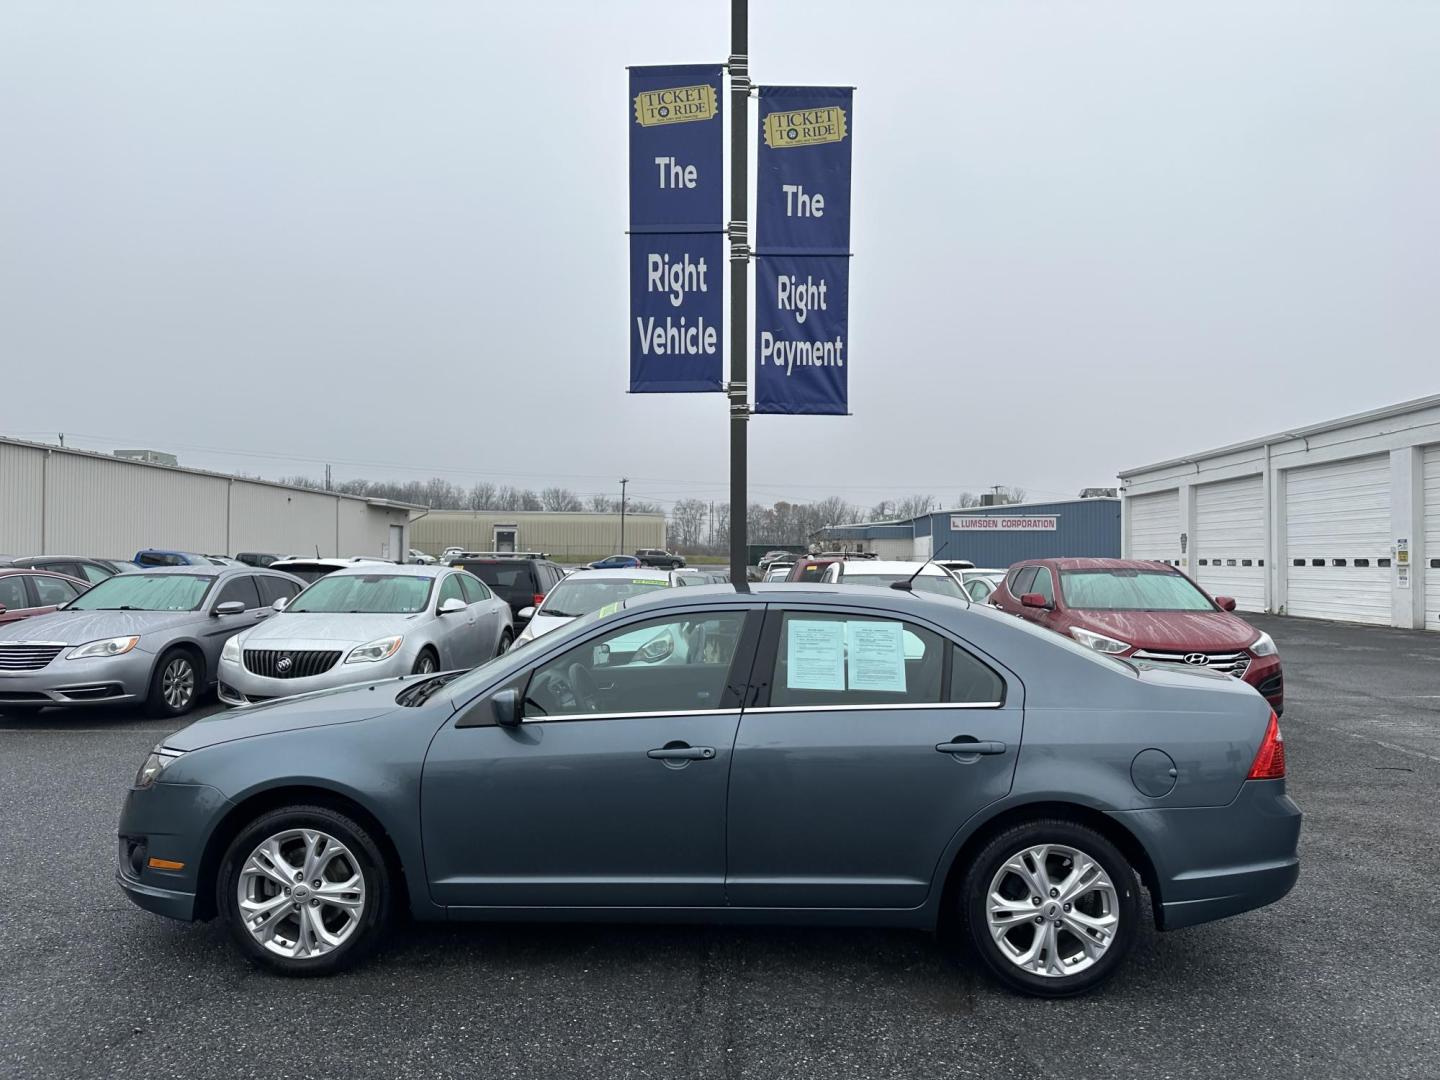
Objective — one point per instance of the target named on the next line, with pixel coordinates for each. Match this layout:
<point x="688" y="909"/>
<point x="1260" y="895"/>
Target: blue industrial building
<point x="994" y="536"/>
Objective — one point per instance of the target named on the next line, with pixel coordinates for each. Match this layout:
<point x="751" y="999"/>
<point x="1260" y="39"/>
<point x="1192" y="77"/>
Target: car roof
<point x="207" y="570"/>
<point x="369" y="569"/>
<point x="1099" y="564"/>
<point x="797" y="594"/>
<point x="11" y="571"/>
<point x="866" y="567"/>
<point x="300" y="560"/>
<point x="623" y="573"/>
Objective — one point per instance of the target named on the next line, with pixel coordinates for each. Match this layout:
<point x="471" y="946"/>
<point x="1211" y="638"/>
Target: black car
<point x="521" y="580"/>
<point x="259" y="558"/>
<point x="75" y="566"/>
<point x="660" y="559"/>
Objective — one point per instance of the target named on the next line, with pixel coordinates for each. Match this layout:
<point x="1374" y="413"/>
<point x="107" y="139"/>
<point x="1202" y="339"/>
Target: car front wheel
<point x="305" y="890"/>
<point x="1052" y="908"/>
<point x="174" y="684"/>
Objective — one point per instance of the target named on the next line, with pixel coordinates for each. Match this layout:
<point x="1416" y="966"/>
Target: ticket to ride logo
<point x="677" y="105"/>
<point x="804" y="127"/>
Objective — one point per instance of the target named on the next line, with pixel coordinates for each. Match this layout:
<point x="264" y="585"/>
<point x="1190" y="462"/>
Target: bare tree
<point x="913" y="506"/>
<point x="559" y="500"/>
<point x="481" y="497"/>
<point x="1006" y="494"/>
<point x="687" y="523"/>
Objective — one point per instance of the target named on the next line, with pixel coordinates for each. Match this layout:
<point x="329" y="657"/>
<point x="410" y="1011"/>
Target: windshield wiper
<point x="552" y="614"/>
<point x="421" y="691"/>
<point x="122" y="607"/>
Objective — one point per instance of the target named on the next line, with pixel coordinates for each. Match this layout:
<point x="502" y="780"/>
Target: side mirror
<point x="449" y="607"/>
<point x="1035" y="600"/>
<point x="230" y="607"/>
<point x="1225" y="603"/>
<point x="280" y="603"/>
<point x="506" y="704"/>
<point x="526" y="613"/>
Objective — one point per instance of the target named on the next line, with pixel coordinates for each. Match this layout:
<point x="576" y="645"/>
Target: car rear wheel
<point x="305" y="890"/>
<point x="1052" y="908"/>
<point x="507" y="639"/>
<point x="174" y="684"/>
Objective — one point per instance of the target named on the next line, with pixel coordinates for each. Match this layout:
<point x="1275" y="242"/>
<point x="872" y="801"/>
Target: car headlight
<point x="1098" y="642"/>
<point x="656" y="649"/>
<point x="159" y="760"/>
<point x="231" y="649"/>
<point x="115" y="646"/>
<point x="1264" y="645"/>
<point x="373" y="651"/>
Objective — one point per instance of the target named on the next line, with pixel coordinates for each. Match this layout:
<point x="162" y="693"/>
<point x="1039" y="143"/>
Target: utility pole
<point x="623" y="481"/>
<point x="327" y="478"/>
<point x="738" y="387"/>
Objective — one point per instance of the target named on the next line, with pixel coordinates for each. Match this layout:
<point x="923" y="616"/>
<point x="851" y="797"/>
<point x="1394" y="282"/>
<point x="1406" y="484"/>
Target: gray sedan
<point x="365" y="622"/>
<point x="835" y="755"/>
<point x="153" y="637"/>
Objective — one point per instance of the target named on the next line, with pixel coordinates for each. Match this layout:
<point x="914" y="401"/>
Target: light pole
<point x="738" y="388"/>
<point x="623" y="481"/>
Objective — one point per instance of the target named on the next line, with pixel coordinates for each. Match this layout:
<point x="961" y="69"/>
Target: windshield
<point x="1131" y="590"/>
<point x="367" y="594"/>
<point x="943" y="585"/>
<point x="573" y="598"/>
<point x="145" y="592"/>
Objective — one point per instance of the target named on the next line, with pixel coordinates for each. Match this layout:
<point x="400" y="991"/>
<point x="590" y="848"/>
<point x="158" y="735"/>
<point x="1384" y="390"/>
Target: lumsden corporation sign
<point x="996" y="523"/>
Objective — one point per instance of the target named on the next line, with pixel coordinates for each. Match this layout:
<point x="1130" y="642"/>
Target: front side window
<point x="390" y="594"/>
<point x="94" y="574"/>
<point x="829" y="659"/>
<point x="1020" y="583"/>
<point x="146" y="592"/>
<point x="12" y="593"/>
<point x="1043" y="584"/>
<point x="668" y="665"/>
<point x="1131" y="590"/>
<point x="450" y="590"/>
<point x="49" y="590"/>
<point x="579" y="595"/>
<point x="241" y="588"/>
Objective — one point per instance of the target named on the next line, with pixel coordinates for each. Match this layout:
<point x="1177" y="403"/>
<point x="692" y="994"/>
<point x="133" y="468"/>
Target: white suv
<point x="929" y="578"/>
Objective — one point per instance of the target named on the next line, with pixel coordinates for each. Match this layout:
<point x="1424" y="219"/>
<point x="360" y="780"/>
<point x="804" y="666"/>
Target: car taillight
<point x="1270" y="758"/>
<point x="537" y="599"/>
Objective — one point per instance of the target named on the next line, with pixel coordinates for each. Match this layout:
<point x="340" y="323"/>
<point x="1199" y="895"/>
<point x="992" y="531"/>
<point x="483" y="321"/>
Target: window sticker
<point x="815" y="655"/>
<point x="876" y="656"/>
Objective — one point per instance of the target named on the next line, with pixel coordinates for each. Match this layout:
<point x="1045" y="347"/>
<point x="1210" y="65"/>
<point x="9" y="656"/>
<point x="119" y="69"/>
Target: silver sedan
<point x="363" y="623"/>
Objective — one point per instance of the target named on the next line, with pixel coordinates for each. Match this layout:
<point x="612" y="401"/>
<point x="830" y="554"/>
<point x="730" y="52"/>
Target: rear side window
<point x="94" y="573"/>
<point x="830" y="659"/>
<point x="473" y="588"/>
<point x="12" y="592"/>
<point x="49" y="590"/>
<point x="275" y="588"/>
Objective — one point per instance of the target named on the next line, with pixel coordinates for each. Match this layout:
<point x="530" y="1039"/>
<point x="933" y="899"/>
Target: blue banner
<point x="802" y="305"/>
<point x="676" y="308"/>
<point x="677" y="267"/>
<point x="677" y="160"/>
<point x="802" y="243"/>
<point x="803" y="171"/>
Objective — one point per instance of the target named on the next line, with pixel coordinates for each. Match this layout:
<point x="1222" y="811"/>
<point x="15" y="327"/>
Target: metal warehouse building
<point x="994" y="536"/>
<point x="1339" y="520"/>
<point x="579" y="536"/>
<point x="60" y="501"/>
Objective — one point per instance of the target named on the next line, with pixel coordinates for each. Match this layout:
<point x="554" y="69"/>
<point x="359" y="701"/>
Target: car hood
<point x="298" y="628"/>
<point x="543" y="624"/>
<point x="1172" y="631"/>
<point x="78" y="627"/>
<point x="343" y="705"/>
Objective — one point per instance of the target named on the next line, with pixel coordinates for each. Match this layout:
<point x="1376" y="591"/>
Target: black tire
<point x="368" y="861"/>
<point x="427" y="656"/>
<point x="159" y="702"/>
<point x="974" y="910"/>
<point x="506" y="640"/>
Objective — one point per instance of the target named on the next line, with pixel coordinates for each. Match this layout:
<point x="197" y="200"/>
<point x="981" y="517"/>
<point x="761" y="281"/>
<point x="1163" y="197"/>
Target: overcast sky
<point x="1087" y="235"/>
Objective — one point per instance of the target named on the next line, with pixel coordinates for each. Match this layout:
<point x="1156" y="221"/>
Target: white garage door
<point x="1432" y="538"/>
<point x="1337" y="525"/>
<point x="1229" y="541"/>
<point x="1153" y="526"/>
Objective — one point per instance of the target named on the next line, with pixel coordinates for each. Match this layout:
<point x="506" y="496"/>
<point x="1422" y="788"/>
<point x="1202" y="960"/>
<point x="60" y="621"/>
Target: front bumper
<point x="102" y="680"/>
<point x="240" y="686"/>
<point x="170" y="822"/>
<point x="1211" y="862"/>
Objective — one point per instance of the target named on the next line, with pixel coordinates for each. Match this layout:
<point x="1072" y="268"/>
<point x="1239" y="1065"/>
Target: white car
<point x="928" y="578"/>
<point x="583" y="592"/>
<point x="419" y="558"/>
<point x="977" y="582"/>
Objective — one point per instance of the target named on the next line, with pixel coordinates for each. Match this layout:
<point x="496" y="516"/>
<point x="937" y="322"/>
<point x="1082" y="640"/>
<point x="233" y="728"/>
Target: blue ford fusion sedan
<point x="791" y="754"/>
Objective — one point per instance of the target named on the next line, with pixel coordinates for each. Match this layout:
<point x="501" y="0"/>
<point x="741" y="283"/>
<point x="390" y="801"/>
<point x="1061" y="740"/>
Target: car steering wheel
<point x="582" y="685"/>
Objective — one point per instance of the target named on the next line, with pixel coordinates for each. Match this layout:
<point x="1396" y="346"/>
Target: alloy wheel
<point x="301" y="894"/>
<point x="177" y="683"/>
<point x="425" y="665"/>
<point x="1052" y="910"/>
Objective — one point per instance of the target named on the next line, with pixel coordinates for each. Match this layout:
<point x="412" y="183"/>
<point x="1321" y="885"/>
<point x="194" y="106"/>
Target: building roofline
<point x="974" y="510"/>
<point x="1383" y="413"/>
<point x="76" y="451"/>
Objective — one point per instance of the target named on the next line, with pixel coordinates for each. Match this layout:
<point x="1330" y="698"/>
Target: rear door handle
<point x="970" y="747"/>
<point x="682" y="753"/>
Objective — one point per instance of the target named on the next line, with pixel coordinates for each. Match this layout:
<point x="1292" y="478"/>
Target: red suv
<point x="1142" y="611"/>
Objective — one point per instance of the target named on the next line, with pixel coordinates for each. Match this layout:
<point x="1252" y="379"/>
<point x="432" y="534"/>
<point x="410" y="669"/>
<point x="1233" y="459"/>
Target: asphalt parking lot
<point x="1338" y="980"/>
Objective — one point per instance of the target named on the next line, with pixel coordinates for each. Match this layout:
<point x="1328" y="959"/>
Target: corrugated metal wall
<point x="56" y="501"/>
<point x="22" y="493"/>
<point x="1086" y="528"/>
<point x="563" y="535"/>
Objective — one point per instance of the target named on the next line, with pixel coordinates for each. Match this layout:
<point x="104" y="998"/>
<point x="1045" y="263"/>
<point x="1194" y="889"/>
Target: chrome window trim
<point x="631" y="715"/>
<point x="879" y="705"/>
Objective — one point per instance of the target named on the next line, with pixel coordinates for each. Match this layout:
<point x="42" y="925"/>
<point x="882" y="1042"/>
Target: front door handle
<point x="682" y="753"/>
<point x="971" y="747"/>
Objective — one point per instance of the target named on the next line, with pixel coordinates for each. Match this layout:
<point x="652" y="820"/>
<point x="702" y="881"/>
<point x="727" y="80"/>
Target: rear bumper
<point x="1213" y="862"/>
